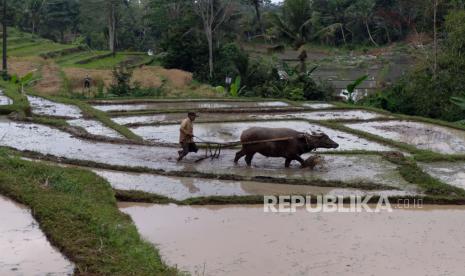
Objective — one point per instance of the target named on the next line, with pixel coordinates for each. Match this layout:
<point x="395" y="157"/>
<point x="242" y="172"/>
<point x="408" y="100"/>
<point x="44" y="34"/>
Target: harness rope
<point x="218" y="146"/>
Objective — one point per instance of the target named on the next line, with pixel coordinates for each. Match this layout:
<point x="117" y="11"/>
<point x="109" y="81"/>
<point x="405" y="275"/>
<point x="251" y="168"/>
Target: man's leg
<point x="185" y="150"/>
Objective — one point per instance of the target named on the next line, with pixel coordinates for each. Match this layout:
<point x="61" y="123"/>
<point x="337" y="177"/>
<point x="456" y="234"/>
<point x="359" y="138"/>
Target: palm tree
<point x="295" y="21"/>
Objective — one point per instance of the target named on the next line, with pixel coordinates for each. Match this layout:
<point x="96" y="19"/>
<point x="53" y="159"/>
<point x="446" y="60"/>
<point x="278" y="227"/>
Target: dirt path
<point x="51" y="82"/>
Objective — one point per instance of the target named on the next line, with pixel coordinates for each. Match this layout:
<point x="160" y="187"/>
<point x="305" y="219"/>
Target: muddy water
<point x="318" y="105"/>
<point x="422" y="135"/>
<point x="230" y="132"/>
<point x="4" y="100"/>
<point x="325" y="115"/>
<point x="318" y="115"/>
<point x="183" y="187"/>
<point x="452" y="173"/>
<point x="24" y="248"/>
<point x="189" y="105"/>
<point x="46" y="140"/>
<point x="42" y="106"/>
<point x="95" y="127"/>
<point x="234" y="240"/>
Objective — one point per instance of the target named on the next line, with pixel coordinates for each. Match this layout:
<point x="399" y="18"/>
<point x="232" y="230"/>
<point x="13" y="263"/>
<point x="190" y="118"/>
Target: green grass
<point x="77" y="210"/>
<point x="20" y="102"/>
<point x="35" y="50"/>
<point x="70" y="60"/>
<point x="410" y="171"/>
<point x="104" y="63"/>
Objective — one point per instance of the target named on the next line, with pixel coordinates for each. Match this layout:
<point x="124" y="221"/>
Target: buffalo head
<point x="319" y="140"/>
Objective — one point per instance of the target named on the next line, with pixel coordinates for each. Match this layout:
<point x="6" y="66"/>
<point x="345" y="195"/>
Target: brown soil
<point x="146" y="76"/>
<point x="51" y="82"/>
<point x="22" y="66"/>
<point x="76" y="77"/>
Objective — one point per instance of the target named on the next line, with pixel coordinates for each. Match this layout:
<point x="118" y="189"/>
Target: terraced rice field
<point x="373" y="160"/>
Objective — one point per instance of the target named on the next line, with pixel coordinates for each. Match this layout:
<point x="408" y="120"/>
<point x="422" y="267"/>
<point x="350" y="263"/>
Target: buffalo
<point x="281" y="142"/>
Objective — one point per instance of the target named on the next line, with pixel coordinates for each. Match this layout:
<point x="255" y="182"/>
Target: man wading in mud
<point x="186" y="136"/>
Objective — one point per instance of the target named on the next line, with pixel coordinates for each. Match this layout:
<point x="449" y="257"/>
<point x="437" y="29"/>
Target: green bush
<point x="122" y="85"/>
<point x="424" y="92"/>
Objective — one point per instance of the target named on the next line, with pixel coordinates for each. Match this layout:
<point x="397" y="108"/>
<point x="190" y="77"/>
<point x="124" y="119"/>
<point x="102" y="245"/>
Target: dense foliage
<point x="428" y="91"/>
<point x="207" y="37"/>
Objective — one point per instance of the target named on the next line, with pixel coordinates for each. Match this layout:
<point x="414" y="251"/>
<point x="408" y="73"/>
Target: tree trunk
<point x="259" y="17"/>
<point x="369" y="33"/>
<point x="435" y="66"/>
<point x="209" y="35"/>
<point x="343" y="34"/>
<point x="4" y="57"/>
<point x="111" y="28"/>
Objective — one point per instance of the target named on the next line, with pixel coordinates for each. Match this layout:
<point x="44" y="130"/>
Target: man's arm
<point x="185" y="130"/>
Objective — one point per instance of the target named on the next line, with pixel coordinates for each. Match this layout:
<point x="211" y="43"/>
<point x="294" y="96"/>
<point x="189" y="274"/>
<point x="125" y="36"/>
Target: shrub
<point x="122" y="82"/>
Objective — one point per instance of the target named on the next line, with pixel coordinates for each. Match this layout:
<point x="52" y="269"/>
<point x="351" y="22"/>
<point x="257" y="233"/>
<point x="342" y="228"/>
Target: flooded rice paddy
<point x="233" y="240"/>
<point x="230" y="132"/>
<point x="451" y="173"/>
<point x="424" y="136"/>
<point x="209" y="117"/>
<point x="189" y="105"/>
<point x="181" y="188"/>
<point x="41" y="106"/>
<point x="95" y="127"/>
<point x="43" y="139"/>
<point x="4" y="100"/>
<point x="24" y="248"/>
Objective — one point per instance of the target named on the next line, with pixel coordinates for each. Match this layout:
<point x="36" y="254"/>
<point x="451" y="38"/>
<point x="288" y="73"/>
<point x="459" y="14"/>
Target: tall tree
<point x="295" y="21"/>
<point x="5" y="36"/>
<point x="362" y="11"/>
<point x="213" y="13"/>
<point x="60" y="16"/>
<point x="257" y="4"/>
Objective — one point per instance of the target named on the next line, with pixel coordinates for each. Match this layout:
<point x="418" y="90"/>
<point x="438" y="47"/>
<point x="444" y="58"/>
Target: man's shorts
<point x="189" y="147"/>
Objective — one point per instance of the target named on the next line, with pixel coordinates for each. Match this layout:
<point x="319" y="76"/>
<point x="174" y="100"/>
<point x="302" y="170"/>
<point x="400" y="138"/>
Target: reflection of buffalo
<point x="280" y="142"/>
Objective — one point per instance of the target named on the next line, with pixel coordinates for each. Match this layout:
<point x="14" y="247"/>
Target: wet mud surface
<point x="24" y="248"/>
<point x="318" y="105"/>
<point x="230" y="132"/>
<point x="424" y="136"/>
<point x="181" y="188"/>
<point x="231" y="240"/>
<point x="46" y="140"/>
<point x="188" y="105"/>
<point x="451" y="173"/>
<point x="42" y="106"/>
<point x="4" y="100"/>
<point x="205" y="117"/>
<point x="96" y="128"/>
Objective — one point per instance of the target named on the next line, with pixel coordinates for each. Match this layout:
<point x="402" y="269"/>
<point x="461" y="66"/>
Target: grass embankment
<point x="20" y="102"/>
<point x="410" y="171"/>
<point x="77" y="210"/>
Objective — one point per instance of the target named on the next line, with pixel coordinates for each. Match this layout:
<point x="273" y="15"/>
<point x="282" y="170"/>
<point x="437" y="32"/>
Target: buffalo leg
<point x="301" y="161"/>
<point x="248" y="159"/>
<point x="239" y="155"/>
<point x="288" y="162"/>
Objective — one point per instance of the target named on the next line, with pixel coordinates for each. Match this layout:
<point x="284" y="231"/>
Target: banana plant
<point x="236" y="88"/>
<point x="352" y="87"/>
<point x="459" y="101"/>
<point x="22" y="81"/>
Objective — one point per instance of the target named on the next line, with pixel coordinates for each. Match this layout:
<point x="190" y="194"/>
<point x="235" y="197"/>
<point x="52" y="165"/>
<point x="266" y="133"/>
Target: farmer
<point x="87" y="83"/>
<point x="186" y="136"/>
